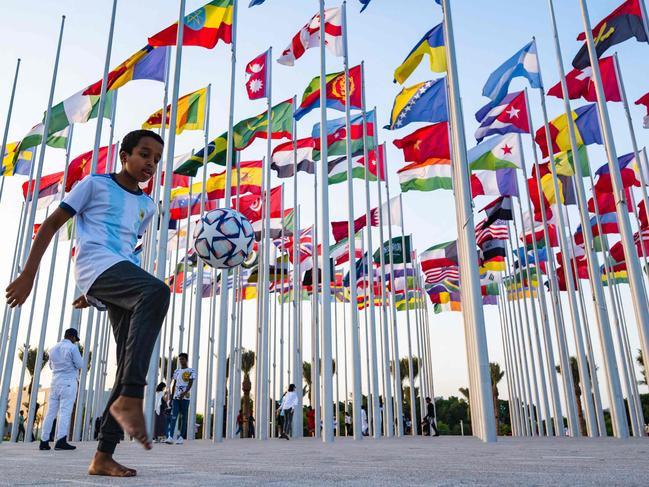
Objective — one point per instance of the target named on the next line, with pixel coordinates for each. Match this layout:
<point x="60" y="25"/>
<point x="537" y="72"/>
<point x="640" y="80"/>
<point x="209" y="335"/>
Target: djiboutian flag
<point x="440" y="255"/>
<point x="580" y="83"/>
<point x="432" y="174"/>
<point x="203" y="27"/>
<point x="283" y="157"/>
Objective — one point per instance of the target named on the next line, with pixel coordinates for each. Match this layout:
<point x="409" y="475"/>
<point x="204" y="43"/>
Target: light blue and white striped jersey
<point x="109" y="220"/>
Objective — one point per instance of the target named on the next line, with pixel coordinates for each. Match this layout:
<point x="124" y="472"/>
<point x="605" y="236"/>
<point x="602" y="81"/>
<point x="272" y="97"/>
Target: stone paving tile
<point x="444" y="461"/>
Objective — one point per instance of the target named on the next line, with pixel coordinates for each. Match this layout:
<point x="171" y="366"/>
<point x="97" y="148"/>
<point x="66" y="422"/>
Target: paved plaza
<point x="446" y="461"/>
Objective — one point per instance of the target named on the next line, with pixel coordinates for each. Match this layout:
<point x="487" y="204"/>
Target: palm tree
<point x="31" y="363"/>
<point x="496" y="376"/>
<point x="574" y="368"/>
<point x="247" y="363"/>
<point x="163" y="363"/>
<point x="306" y="374"/>
<point x="404" y="369"/>
<point x="640" y="361"/>
<point x="465" y="392"/>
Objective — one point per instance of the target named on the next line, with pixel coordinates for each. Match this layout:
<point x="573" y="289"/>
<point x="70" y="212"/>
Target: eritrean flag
<point x="335" y="91"/>
<point x="203" y="27"/>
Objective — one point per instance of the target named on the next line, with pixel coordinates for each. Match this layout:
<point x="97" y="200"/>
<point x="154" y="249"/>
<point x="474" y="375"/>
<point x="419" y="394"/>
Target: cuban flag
<point x="508" y="116"/>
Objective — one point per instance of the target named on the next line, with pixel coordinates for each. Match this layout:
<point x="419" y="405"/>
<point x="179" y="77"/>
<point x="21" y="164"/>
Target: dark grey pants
<point x="137" y="304"/>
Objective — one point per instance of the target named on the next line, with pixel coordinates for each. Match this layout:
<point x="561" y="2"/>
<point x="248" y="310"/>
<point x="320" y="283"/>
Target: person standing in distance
<point x="289" y="403"/>
<point x="183" y="378"/>
<point x="65" y="362"/>
<point x="112" y="213"/>
<point x="429" y="419"/>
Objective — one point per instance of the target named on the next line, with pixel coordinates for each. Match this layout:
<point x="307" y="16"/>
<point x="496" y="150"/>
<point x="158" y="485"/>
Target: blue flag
<point x="423" y="102"/>
<point x="255" y="2"/>
<point x="364" y="2"/>
<point x="524" y="63"/>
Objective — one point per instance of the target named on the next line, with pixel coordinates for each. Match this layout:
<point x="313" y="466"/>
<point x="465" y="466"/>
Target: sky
<point x="486" y="34"/>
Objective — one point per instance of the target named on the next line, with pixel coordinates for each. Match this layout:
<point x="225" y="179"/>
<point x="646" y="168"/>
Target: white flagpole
<point x="4" y="392"/>
<point x="513" y="411"/>
<point x="102" y="98"/>
<point x="482" y="405"/>
<point x="5" y="134"/>
<point x="225" y="274"/>
<point x="296" y="352"/>
<point x="327" y="395"/>
<point x="353" y="317"/>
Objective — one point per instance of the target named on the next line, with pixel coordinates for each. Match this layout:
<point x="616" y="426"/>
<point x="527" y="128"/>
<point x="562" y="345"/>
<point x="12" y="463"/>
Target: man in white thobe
<point x="65" y="362"/>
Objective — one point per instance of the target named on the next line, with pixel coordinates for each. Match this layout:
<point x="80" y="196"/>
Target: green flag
<point x="398" y="252"/>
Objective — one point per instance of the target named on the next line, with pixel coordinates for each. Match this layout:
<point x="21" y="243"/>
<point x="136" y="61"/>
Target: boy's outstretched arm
<point x="19" y="289"/>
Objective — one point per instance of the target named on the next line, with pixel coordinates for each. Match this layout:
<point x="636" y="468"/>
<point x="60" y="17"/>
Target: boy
<point x="112" y="213"/>
<point x="184" y="377"/>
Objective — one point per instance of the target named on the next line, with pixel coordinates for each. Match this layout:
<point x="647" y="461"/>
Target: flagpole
<point x="513" y="400"/>
<point x="315" y="316"/>
<point x="471" y="298"/>
<point x="4" y="392"/>
<point x="327" y="399"/>
<point x="640" y="302"/>
<point x="281" y="309"/>
<point x="5" y="134"/>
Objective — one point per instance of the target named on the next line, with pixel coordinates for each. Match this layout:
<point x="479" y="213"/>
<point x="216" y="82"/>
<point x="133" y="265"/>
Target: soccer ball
<point x="223" y="238"/>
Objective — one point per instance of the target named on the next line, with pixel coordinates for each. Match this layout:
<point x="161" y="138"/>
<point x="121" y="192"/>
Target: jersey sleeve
<point x="77" y="200"/>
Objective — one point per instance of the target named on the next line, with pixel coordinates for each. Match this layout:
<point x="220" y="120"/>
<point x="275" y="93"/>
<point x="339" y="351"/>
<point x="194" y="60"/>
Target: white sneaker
<point x="179" y="441"/>
<point x="169" y="440"/>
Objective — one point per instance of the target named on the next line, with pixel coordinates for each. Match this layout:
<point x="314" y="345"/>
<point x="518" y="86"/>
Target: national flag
<point x="257" y="77"/>
<point x="628" y="161"/>
<point x="254" y="3"/>
<point x="603" y="184"/>
<point x="642" y="215"/>
<point x="245" y="133"/>
<point x="252" y="206"/>
<point x="305" y="246"/>
<point x="606" y="202"/>
<point x="538" y="234"/>
<point x="440" y="255"/>
<point x="337" y="135"/>
<point x="339" y="251"/>
<point x="203" y="27"/>
<point x="524" y="63"/>
<point x="644" y="101"/>
<point x="507" y="116"/>
<point x="623" y="23"/>
<point x="423" y="102"/>
<point x="492" y="254"/>
<point x="580" y="83"/>
<point x="499" y="209"/>
<point x="498" y="230"/>
<point x="79" y="108"/>
<point x="190" y="115"/>
<point x="335" y="92"/>
<point x="431" y="45"/>
<point x="617" y="274"/>
<point x="436" y="275"/>
<point x="501" y="182"/>
<point x="400" y="253"/>
<point x="425" y="143"/>
<point x="18" y="157"/>
<point x="499" y="152"/>
<point x="365" y="3"/>
<point x="181" y="205"/>
<point x="393" y="208"/>
<point x="49" y="187"/>
<point x="147" y="63"/>
<point x="283" y="157"/>
<point x="338" y="168"/>
<point x="429" y="175"/>
<point x="14" y="162"/>
<point x="79" y="168"/>
<point x="608" y="222"/>
<point x="309" y="36"/>
<point x="587" y="130"/>
<point x="565" y="164"/>
<point x="177" y="181"/>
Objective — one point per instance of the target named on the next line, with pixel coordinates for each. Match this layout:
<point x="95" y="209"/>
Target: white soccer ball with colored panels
<point x="223" y="238"/>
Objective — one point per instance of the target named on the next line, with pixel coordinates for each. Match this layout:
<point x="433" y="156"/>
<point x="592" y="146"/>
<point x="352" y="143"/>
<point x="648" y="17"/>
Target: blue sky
<point x="487" y="33"/>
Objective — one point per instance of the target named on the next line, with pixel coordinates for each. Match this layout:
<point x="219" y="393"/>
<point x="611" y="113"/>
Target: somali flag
<point x="524" y="63"/>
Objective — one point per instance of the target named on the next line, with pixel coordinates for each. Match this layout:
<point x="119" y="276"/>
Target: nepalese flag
<point x="608" y="223"/>
<point x="49" y="188"/>
<point x="423" y="102"/>
<point x="431" y="45"/>
<point x="623" y="23"/>
<point x="335" y="92"/>
<point x="309" y="36"/>
<point x="524" y="63"/>
<point x="286" y="155"/>
<point x="79" y="168"/>
<point x="440" y="255"/>
<point x="580" y="83"/>
<point x="425" y="143"/>
<point x="644" y="101"/>
<point x="147" y="63"/>
<point x="203" y="27"/>
<point x="257" y="74"/>
<point x="337" y="135"/>
<point x="587" y="125"/>
<point x="507" y="116"/>
<point x="440" y="274"/>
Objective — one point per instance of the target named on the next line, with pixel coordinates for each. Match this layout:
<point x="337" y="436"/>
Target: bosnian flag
<point x="257" y="73"/>
<point x="283" y="157"/>
<point x="309" y="36"/>
<point x="507" y="116"/>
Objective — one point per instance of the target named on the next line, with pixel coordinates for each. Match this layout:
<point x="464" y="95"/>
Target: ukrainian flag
<point x="432" y="44"/>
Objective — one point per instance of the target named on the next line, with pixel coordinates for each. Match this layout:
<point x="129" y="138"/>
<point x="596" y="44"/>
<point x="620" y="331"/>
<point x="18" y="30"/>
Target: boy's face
<point x="183" y="362"/>
<point x="142" y="163"/>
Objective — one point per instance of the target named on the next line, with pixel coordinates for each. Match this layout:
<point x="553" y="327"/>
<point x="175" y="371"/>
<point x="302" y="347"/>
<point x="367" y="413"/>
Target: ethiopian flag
<point x="191" y="113"/>
<point x="245" y="132"/>
<point x="203" y="27"/>
<point x="335" y="90"/>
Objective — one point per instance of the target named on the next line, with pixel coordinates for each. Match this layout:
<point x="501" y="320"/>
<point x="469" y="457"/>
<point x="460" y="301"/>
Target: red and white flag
<point x="256" y="73"/>
<point x="580" y="83"/>
<point x="309" y="36"/>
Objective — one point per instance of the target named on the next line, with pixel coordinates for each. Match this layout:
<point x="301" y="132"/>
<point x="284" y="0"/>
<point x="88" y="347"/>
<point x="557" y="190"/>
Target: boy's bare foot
<point x="127" y="411"/>
<point x="103" y="464"/>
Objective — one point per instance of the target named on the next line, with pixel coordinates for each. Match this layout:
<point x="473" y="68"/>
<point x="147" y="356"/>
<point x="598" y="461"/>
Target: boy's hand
<point x="80" y="303"/>
<point x="19" y="290"/>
